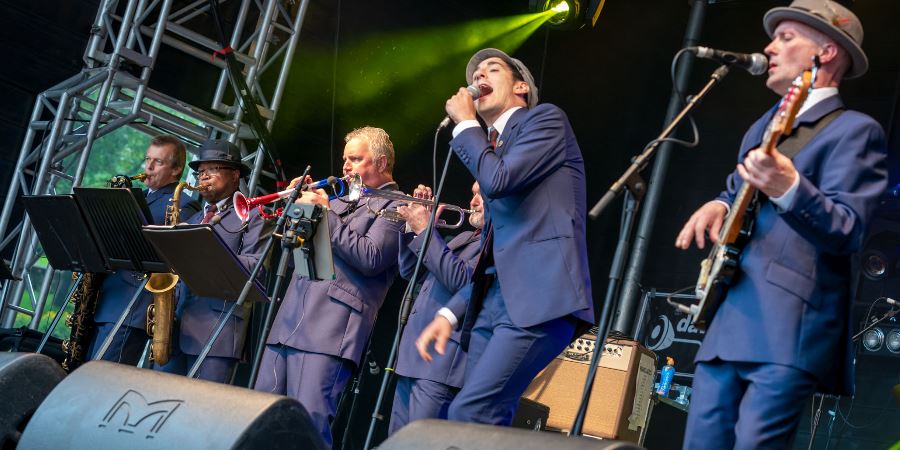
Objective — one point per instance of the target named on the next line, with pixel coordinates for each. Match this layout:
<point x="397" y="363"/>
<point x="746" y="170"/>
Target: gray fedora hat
<point x="830" y="18"/>
<point x="514" y="63"/>
<point x="222" y="151"/>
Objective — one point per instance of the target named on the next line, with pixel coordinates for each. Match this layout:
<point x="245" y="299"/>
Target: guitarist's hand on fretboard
<point x="773" y="174"/>
<point x="706" y="220"/>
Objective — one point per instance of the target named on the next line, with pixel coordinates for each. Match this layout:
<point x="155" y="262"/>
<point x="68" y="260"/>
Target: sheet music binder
<point x="203" y="261"/>
<point x="64" y="234"/>
<point x="115" y="218"/>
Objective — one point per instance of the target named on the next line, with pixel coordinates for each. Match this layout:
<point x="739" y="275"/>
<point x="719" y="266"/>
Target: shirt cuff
<point x="447" y="314"/>
<point x="464" y="125"/>
<point x="727" y="206"/>
<point x="784" y="202"/>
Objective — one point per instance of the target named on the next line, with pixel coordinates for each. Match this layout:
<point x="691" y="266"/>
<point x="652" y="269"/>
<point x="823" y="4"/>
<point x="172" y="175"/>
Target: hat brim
<point x="859" y="61"/>
<point x="195" y="165"/>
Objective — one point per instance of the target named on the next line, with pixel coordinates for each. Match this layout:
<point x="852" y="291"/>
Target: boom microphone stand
<point x="631" y="180"/>
<point x="406" y="304"/>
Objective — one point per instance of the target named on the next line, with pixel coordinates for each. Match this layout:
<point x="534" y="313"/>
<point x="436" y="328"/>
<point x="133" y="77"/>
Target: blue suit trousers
<point x="745" y="405"/>
<point x="316" y="381"/>
<point x="125" y="348"/>
<point x="418" y="399"/>
<point x="503" y="359"/>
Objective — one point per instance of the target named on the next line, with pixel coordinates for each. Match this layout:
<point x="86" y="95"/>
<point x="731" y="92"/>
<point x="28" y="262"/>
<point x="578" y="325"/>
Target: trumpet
<point x="243" y="205"/>
<point x="391" y="214"/>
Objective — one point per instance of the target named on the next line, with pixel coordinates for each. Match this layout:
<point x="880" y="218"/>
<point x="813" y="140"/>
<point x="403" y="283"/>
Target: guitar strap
<point x="791" y="145"/>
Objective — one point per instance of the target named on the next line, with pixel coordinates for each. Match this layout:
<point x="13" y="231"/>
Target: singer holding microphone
<point x="783" y="331"/>
<point x="322" y="327"/>
<point x="425" y="390"/>
<point x="220" y="168"/>
<point x="530" y="288"/>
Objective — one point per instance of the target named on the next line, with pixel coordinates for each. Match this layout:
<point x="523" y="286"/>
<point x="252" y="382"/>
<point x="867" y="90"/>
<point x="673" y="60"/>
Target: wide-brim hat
<point x="221" y="151"/>
<point x="515" y="64"/>
<point x="830" y="18"/>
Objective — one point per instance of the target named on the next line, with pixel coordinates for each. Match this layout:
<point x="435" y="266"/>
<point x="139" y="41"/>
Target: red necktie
<point x="210" y="212"/>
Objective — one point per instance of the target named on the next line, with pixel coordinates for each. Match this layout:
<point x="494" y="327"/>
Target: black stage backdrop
<point x="612" y="80"/>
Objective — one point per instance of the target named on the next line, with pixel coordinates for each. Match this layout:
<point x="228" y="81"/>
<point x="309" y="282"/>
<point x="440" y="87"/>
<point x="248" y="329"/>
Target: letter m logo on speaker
<point x="133" y="414"/>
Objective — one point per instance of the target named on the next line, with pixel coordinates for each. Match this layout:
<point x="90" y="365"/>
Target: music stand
<point x="64" y="234"/>
<point x="203" y="261"/>
<point x="115" y="218"/>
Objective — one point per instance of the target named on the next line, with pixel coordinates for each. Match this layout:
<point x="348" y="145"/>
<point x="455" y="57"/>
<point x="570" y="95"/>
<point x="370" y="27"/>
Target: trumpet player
<point x="424" y="391"/>
<point x="320" y="332"/>
<point x="164" y="165"/>
<point x="219" y="170"/>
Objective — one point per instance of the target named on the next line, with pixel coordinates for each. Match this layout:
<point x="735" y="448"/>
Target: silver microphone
<point x="755" y="63"/>
<point x="475" y="92"/>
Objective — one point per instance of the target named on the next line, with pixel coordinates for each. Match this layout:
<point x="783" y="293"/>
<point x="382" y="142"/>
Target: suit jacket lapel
<point x="506" y="139"/>
<point x="819" y="110"/>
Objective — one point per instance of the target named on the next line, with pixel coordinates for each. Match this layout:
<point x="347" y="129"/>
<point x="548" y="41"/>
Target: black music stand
<point x="203" y="261"/>
<point x="115" y="217"/>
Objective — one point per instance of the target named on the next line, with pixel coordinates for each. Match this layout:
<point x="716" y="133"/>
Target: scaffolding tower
<point x="111" y="92"/>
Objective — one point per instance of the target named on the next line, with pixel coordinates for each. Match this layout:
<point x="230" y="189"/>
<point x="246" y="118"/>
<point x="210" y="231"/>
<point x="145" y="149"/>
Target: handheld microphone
<point x="755" y="63"/>
<point x="475" y="92"/>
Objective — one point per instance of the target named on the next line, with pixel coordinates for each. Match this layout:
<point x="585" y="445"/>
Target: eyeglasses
<point x="155" y="161"/>
<point x="215" y="170"/>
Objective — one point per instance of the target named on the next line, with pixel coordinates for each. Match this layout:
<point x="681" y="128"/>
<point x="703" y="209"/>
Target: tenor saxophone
<point x="161" y="313"/>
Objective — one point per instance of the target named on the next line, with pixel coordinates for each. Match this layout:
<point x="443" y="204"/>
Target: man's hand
<point x="461" y="106"/>
<point x="294" y="182"/>
<point x="438" y="331"/>
<point x="708" y="218"/>
<point x="772" y="174"/>
<point x="317" y="197"/>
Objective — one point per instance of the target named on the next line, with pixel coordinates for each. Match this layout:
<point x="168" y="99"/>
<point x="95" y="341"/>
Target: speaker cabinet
<point x="444" y="435"/>
<point x="620" y="399"/>
<point x="25" y="380"/>
<point x="103" y="405"/>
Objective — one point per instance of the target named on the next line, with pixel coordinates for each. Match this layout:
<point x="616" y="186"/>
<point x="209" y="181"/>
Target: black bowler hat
<point x="222" y="151"/>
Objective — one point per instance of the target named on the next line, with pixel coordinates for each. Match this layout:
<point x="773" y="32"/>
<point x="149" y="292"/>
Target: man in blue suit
<point x="322" y="327"/>
<point x="163" y="165"/>
<point x="219" y="170"/>
<point x="783" y="331"/>
<point x="531" y="287"/>
<point x="424" y="391"/>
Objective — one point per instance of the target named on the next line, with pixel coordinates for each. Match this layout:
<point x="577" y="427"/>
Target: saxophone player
<point x="219" y="170"/>
<point x="163" y="164"/>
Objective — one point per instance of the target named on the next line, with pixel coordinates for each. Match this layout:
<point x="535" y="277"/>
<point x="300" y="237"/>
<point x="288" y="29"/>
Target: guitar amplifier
<point x="620" y="399"/>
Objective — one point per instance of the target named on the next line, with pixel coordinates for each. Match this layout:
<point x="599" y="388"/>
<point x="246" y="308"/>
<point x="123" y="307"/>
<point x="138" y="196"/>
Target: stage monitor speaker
<point x="620" y="399"/>
<point x="103" y="405"/>
<point x="25" y="380"/>
<point x="444" y="435"/>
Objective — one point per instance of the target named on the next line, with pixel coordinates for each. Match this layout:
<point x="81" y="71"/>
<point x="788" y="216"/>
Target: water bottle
<point x="665" y="377"/>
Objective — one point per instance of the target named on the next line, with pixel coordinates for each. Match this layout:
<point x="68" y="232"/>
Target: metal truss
<point x="112" y="92"/>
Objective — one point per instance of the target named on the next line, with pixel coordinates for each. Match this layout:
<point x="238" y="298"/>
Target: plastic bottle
<point x="665" y="377"/>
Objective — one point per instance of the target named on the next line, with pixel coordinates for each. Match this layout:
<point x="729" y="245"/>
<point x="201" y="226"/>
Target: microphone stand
<point x="248" y="285"/>
<point x="631" y="180"/>
<point x="288" y="244"/>
<point x="406" y="304"/>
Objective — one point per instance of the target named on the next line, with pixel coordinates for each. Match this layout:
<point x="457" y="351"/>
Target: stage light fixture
<point x="874" y="265"/>
<point x="892" y="342"/>
<point x="873" y="339"/>
<point x="563" y="14"/>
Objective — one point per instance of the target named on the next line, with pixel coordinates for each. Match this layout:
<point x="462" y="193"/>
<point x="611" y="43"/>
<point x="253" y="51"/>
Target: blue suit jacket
<point x="200" y="315"/>
<point x="450" y="268"/>
<point x="791" y="303"/>
<point x="118" y="288"/>
<point x="534" y="190"/>
<point x="335" y="317"/>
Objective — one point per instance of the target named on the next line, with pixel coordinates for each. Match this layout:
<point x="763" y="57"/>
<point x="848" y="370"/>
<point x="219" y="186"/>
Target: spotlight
<point x="563" y="14"/>
<point x="874" y="265"/>
<point x="893" y="341"/>
<point x="873" y="339"/>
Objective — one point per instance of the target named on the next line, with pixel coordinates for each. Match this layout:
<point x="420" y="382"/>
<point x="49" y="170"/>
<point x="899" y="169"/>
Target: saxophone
<point x="161" y="313"/>
<point x="84" y="298"/>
